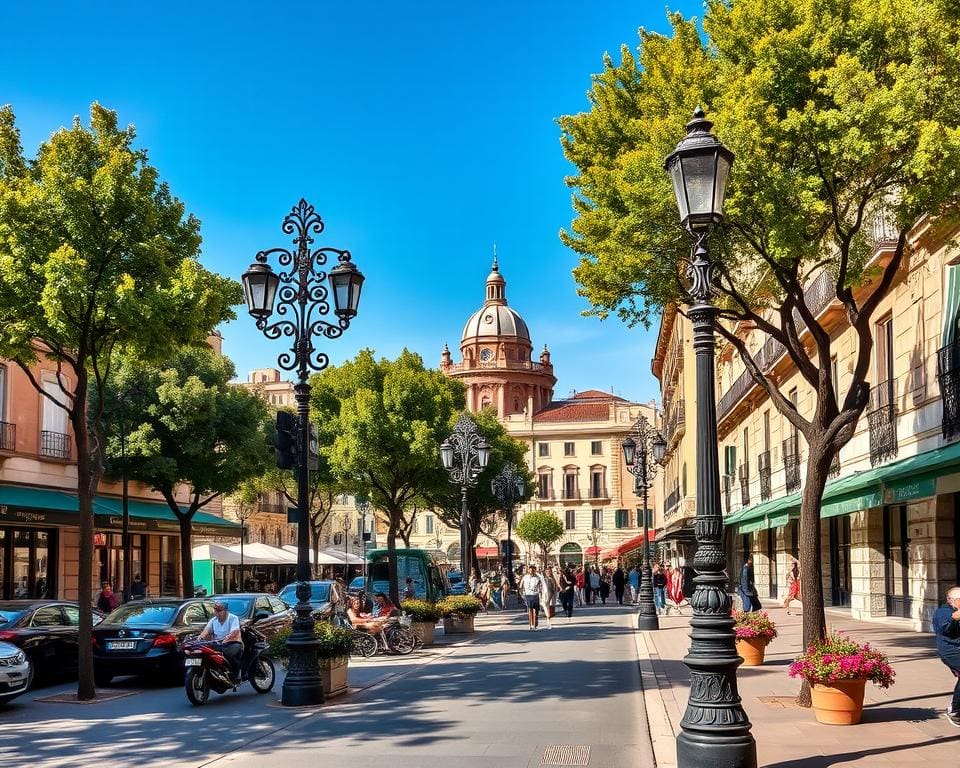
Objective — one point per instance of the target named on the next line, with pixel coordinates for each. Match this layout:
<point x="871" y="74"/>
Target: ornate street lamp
<point x="303" y="294"/>
<point x="643" y="451"/>
<point x="464" y="455"/>
<point x="362" y="503"/>
<point x="715" y="731"/>
<point x="507" y="488"/>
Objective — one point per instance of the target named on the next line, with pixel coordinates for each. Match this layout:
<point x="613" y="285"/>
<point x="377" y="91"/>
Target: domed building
<point x="496" y="352"/>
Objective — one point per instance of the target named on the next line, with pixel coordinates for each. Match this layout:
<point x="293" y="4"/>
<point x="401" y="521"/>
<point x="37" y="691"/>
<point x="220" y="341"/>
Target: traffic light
<point x="313" y="449"/>
<point x="288" y="454"/>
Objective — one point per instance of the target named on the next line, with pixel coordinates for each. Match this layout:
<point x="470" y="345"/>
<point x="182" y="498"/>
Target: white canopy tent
<point x="253" y="554"/>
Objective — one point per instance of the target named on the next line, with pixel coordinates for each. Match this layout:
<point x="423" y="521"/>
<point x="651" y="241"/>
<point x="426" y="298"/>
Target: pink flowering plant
<point x="749" y="625"/>
<point x="837" y="657"/>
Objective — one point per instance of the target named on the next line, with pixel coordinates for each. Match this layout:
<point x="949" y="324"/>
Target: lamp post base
<point x="302" y="687"/>
<point x="647" y="618"/>
<point x="647" y="623"/>
<point x="712" y="749"/>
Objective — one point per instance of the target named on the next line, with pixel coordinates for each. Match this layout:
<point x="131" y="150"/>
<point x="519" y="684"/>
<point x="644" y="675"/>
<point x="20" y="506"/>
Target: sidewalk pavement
<point x="901" y="725"/>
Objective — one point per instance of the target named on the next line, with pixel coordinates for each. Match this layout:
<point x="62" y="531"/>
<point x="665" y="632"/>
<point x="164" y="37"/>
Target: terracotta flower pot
<point x="751" y="650"/>
<point x="840" y="703"/>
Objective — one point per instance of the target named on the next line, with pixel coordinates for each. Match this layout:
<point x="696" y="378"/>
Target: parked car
<point x="319" y="595"/>
<point x="16" y="672"/>
<point x="268" y="613"/>
<point x="458" y="586"/>
<point x="144" y="637"/>
<point x="356" y="584"/>
<point x="47" y="631"/>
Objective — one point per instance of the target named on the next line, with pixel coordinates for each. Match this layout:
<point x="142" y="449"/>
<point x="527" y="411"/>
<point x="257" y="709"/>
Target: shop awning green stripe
<point x="778" y="520"/>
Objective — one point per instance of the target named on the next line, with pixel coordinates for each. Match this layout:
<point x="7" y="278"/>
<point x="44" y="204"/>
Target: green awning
<point x="44" y="505"/>
<point x="951" y="305"/>
<point x="778" y="520"/>
<point x="751" y="526"/>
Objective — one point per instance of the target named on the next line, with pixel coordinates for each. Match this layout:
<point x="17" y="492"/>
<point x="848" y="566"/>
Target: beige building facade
<point x="891" y="508"/>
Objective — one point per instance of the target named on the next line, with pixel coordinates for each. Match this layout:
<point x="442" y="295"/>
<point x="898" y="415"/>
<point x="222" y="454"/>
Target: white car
<point x="15" y="672"/>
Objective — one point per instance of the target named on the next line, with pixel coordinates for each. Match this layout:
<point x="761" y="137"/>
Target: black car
<point x="144" y="637"/>
<point x="268" y="613"/>
<point x="47" y="631"/>
<point x="319" y="595"/>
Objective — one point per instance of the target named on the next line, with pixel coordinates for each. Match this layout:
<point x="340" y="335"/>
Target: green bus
<point x="429" y="582"/>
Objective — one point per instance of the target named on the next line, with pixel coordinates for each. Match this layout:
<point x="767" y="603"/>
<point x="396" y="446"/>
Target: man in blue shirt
<point x="946" y="625"/>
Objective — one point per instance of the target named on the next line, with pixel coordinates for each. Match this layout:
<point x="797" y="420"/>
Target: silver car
<point x="15" y="672"/>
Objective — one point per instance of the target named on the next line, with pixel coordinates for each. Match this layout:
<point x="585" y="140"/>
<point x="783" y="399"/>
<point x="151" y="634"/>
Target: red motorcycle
<point x="207" y="668"/>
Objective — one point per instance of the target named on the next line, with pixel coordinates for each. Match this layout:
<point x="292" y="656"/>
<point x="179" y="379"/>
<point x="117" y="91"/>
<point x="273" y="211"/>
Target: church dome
<point x="495" y="318"/>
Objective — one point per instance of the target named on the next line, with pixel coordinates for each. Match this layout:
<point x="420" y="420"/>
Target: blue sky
<point x="422" y="132"/>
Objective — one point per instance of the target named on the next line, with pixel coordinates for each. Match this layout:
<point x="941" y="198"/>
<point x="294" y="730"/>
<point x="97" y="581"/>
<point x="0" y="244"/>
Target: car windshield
<point x="8" y="617"/>
<point x="357" y="582"/>
<point x="319" y="593"/>
<point x="134" y="615"/>
<point x="455" y="578"/>
<point x="239" y="606"/>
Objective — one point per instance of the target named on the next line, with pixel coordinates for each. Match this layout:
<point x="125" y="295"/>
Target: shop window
<point x="169" y="565"/>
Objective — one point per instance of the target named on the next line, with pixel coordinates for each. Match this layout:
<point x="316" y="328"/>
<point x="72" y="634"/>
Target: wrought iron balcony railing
<point x="8" y="436"/>
<point x="54" y="444"/>
<point x="948" y="377"/>
<point x="882" y="421"/>
<point x="766" y="475"/>
<point x="791" y="463"/>
<point x="744" y="473"/>
<point x="670" y="505"/>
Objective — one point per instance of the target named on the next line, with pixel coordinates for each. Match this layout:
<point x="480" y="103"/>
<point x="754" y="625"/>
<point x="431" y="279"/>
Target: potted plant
<point x="424" y="615"/>
<point x="754" y="630"/>
<point x="837" y="669"/>
<point x="458" y="613"/>
<point x="333" y="654"/>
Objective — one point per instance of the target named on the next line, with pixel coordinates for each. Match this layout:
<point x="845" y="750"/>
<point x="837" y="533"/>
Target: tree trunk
<point x="88" y="479"/>
<point x="315" y="543"/>
<point x="186" y="551"/>
<point x="392" y="560"/>
<point x="404" y="534"/>
<point x="811" y="568"/>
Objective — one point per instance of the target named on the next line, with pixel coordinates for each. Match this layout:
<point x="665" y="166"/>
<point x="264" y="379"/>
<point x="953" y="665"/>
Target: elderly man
<point x="946" y="624"/>
<point x="224" y="627"/>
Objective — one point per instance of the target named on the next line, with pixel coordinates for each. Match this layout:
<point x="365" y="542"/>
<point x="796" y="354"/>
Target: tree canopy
<point x="542" y="528"/>
<point x="193" y="430"/>
<point x="96" y="256"/>
<point x="387" y="419"/>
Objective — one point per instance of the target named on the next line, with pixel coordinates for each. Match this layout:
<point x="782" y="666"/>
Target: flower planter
<point x="333" y="673"/>
<point x="458" y="625"/>
<point x="424" y="630"/>
<point x="840" y="703"/>
<point x="751" y="650"/>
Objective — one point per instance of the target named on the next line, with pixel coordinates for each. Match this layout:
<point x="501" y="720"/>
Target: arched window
<point x="263" y="534"/>
<point x="278" y="537"/>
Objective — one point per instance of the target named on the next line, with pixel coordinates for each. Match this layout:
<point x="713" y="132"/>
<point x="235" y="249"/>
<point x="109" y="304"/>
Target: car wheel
<point x="101" y="679"/>
<point x="263" y="675"/>
<point x="197" y="687"/>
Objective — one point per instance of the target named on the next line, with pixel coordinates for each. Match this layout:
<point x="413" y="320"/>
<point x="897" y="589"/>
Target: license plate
<point x="192" y="662"/>
<point x="121" y="645"/>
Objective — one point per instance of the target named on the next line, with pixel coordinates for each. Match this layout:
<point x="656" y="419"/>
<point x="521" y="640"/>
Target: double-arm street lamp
<point x="715" y="731"/>
<point x="303" y="296"/>
<point x="464" y="455"/>
<point x="362" y="503"/>
<point x="643" y="451"/>
<point x="507" y="488"/>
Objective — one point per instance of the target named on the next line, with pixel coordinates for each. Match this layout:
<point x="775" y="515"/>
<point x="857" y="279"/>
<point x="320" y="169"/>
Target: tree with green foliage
<point x="387" y="419"/>
<point x="541" y="528"/>
<point x="96" y="256"/>
<point x="195" y="431"/>
<point x="841" y="116"/>
<point x="483" y="509"/>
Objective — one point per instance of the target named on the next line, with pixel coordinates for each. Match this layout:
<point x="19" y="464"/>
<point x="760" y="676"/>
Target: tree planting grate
<point x="102" y="696"/>
<point x="566" y="755"/>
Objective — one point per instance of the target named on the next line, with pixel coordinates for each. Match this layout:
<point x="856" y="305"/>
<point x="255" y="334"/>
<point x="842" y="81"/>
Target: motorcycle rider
<point x="224" y="627"/>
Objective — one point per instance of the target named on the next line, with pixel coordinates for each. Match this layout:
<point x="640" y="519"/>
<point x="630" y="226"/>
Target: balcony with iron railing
<point x="817" y="297"/>
<point x="744" y="474"/>
<point x="672" y="502"/>
<point x="570" y="495"/>
<point x="791" y="463"/>
<point x="674" y="422"/>
<point x="546" y="494"/>
<point x="882" y="421"/>
<point x="766" y="475"/>
<point x="54" y="444"/>
<point x="948" y="377"/>
<point x="8" y="436"/>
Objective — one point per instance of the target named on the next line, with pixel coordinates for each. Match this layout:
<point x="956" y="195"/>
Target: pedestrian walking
<point x="634" y="578"/>
<point x="748" y="590"/>
<point x="568" y="585"/>
<point x="946" y="625"/>
<point x="580" y="585"/>
<point x="793" y="586"/>
<point x="619" y="580"/>
<point x="659" y="588"/>
<point x="531" y="585"/>
<point x="674" y="589"/>
<point x="549" y="595"/>
<point x="604" y="586"/>
<point x="593" y="582"/>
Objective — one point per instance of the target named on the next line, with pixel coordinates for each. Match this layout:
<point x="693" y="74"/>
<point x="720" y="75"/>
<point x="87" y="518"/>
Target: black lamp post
<point x="507" y="488"/>
<point x="715" y="731"/>
<point x="362" y="503"/>
<point x="643" y="452"/>
<point x="464" y="455"/>
<point x="304" y="299"/>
